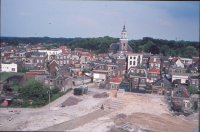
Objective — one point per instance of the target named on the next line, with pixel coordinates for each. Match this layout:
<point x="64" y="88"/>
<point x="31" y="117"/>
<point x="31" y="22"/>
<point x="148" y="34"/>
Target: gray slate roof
<point x="162" y="80"/>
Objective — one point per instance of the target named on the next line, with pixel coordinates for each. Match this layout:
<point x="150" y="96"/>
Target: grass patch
<point x="5" y="75"/>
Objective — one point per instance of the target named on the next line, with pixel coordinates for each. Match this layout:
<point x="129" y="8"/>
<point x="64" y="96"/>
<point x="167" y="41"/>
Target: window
<point x="142" y="80"/>
<point x="60" y="57"/>
<point x="130" y="57"/>
<point x="57" y="57"/>
<point x="13" y="69"/>
<point x="193" y="81"/>
<point x="130" y="62"/>
<point x="57" y="82"/>
<point x="67" y="61"/>
<point x="38" y="61"/>
<point x="162" y="84"/>
<point x="151" y="65"/>
<point x="64" y="61"/>
<point x="136" y="79"/>
<point x="61" y="62"/>
<point x="124" y="44"/>
<point x="142" y="71"/>
<point x="41" y="61"/>
<point x="46" y="82"/>
<point x="61" y="82"/>
<point x="137" y="71"/>
<point x="197" y="83"/>
<point x="64" y="57"/>
<point x="133" y="62"/>
<point x="158" y="65"/>
<point x="134" y="57"/>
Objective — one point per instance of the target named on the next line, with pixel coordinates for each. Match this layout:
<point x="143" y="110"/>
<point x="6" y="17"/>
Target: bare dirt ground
<point x="144" y="112"/>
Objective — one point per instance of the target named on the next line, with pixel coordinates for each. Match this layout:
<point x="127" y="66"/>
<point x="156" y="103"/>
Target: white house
<point x="51" y="52"/>
<point x="134" y="59"/>
<point x="10" y="67"/>
<point x="183" y="77"/>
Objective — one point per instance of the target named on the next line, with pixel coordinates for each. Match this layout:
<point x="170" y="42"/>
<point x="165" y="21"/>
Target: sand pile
<point x="71" y="101"/>
<point x="193" y="117"/>
<point x="102" y="95"/>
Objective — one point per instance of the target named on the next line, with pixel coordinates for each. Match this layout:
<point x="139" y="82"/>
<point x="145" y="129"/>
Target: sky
<point x="171" y="20"/>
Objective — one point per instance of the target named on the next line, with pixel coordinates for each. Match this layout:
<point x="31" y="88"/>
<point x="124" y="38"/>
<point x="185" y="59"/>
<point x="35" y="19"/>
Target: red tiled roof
<point x="157" y="59"/>
<point x="88" y="54"/>
<point x="175" y="59"/>
<point x="195" y="59"/>
<point x="4" y="104"/>
<point x="104" y="55"/>
<point x="185" y="91"/>
<point x="119" y="77"/>
<point x="63" y="51"/>
<point x="176" y="103"/>
<point x="115" y="80"/>
<point x="155" y="70"/>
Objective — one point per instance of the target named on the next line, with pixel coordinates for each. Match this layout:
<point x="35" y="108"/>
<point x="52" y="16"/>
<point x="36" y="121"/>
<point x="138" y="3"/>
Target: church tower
<point x="123" y="41"/>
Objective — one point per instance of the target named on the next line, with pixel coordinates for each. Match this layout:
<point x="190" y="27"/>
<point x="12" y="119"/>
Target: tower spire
<point x="124" y="29"/>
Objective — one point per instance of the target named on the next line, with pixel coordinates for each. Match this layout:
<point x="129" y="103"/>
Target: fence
<point x="127" y="89"/>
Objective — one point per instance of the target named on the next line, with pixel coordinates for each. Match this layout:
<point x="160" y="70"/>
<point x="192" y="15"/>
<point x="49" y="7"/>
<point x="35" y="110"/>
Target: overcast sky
<point x="59" y="18"/>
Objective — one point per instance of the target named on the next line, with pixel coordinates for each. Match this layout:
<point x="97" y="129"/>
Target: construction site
<point x="99" y="110"/>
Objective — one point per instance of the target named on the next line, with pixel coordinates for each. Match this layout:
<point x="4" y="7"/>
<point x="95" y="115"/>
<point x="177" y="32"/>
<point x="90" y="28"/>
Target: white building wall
<point x="51" y="52"/>
<point x="9" y="67"/>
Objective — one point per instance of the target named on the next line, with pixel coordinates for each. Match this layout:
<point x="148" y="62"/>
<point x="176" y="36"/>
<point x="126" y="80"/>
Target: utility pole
<point x="49" y="98"/>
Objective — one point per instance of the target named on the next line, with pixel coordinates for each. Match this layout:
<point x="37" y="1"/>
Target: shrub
<point x="16" y="103"/>
<point x="25" y="103"/>
<point x="55" y="90"/>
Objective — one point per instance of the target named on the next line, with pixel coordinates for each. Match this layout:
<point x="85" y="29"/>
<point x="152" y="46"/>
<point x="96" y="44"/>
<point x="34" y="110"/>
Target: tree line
<point x="101" y="45"/>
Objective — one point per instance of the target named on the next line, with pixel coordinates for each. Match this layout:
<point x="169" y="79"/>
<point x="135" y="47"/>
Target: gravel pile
<point x="102" y="95"/>
<point x="71" y="101"/>
<point x="123" y="116"/>
<point x="193" y="117"/>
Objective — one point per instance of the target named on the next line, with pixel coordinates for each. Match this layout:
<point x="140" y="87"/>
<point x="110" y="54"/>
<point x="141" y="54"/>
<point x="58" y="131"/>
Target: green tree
<point x="190" y="51"/>
<point x="192" y="90"/>
<point x="15" y="85"/>
<point x="141" y="48"/>
<point x="84" y="70"/>
<point x="35" y="91"/>
<point x="53" y="73"/>
<point x="55" y="90"/>
<point x="49" y="47"/>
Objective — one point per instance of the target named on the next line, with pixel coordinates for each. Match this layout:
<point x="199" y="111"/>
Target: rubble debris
<point x="102" y="95"/>
<point x="71" y="101"/>
<point x="122" y="115"/>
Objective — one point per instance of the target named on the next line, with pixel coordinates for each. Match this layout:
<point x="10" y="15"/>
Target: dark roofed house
<point x="62" y="82"/>
<point x="193" y="80"/>
<point x="9" y="81"/>
<point x="162" y="87"/>
<point x="181" y="96"/>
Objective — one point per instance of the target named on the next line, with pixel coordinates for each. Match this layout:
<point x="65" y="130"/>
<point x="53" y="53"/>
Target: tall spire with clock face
<point x="123" y="40"/>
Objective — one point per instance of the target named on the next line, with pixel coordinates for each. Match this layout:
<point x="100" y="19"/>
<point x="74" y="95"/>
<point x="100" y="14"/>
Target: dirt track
<point x="72" y="124"/>
<point x="161" y="123"/>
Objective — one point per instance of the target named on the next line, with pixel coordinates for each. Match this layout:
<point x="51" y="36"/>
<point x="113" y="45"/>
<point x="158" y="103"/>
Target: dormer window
<point x="162" y="84"/>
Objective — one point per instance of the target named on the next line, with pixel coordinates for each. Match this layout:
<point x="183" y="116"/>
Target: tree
<point x="192" y="90"/>
<point x="53" y="73"/>
<point x="15" y="85"/>
<point x="55" y="90"/>
<point x="84" y="70"/>
<point x="190" y="51"/>
<point x="35" y="91"/>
